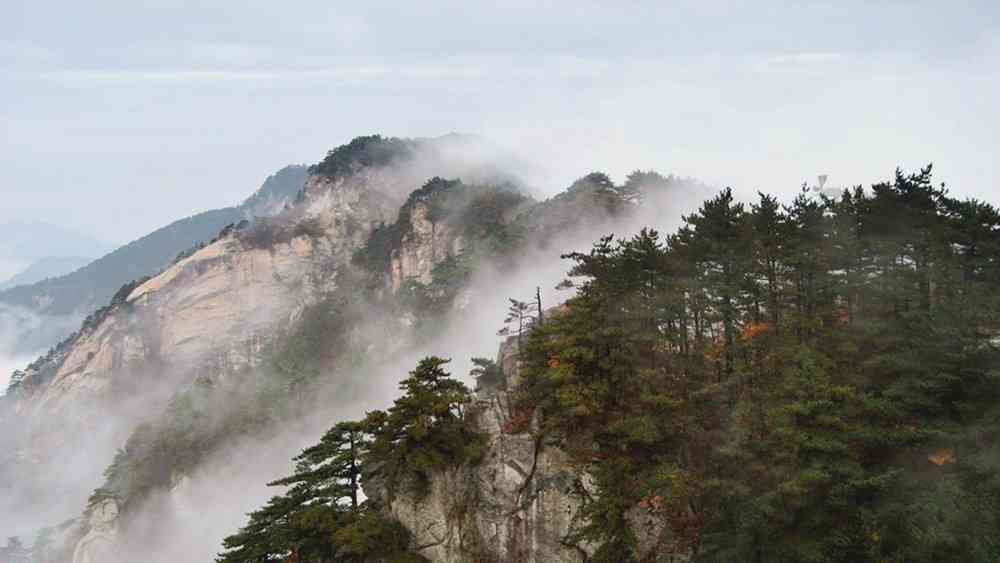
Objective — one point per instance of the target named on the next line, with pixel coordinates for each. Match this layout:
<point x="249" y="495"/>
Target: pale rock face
<point x="214" y="311"/>
<point x="98" y="544"/>
<point x="220" y="303"/>
<point x="423" y="247"/>
<point x="516" y="505"/>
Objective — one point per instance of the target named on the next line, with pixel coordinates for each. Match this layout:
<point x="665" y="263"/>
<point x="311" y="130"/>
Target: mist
<point x="11" y="266"/>
<point x="9" y="363"/>
<point x="189" y="521"/>
<point x="26" y="334"/>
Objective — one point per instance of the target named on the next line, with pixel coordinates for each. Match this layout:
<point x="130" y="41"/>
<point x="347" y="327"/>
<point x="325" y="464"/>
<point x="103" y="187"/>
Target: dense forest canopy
<point x="816" y="382"/>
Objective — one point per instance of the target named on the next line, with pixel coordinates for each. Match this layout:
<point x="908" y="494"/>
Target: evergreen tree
<point x="425" y="430"/>
<point x="323" y="496"/>
<point x="520" y="317"/>
<point x="322" y="517"/>
<point x="487" y="374"/>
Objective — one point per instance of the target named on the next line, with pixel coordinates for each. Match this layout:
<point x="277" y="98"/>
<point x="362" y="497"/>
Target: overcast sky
<point x="119" y="116"/>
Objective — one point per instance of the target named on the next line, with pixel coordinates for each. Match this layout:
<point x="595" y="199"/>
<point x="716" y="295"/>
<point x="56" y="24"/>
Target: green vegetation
<point x="45" y="367"/>
<point x="810" y="383"/>
<point x="367" y="151"/>
<point x="428" y="429"/>
<point x="592" y="198"/>
<point x="488" y="374"/>
<point x="481" y="213"/>
<point x="322" y="518"/>
<point x="266" y="232"/>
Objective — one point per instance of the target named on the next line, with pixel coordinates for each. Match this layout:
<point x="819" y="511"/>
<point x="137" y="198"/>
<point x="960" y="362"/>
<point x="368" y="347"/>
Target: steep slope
<point x="214" y="309"/>
<point x="217" y="311"/>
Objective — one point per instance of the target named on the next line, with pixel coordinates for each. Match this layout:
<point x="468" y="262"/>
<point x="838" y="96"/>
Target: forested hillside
<point x="811" y="382"/>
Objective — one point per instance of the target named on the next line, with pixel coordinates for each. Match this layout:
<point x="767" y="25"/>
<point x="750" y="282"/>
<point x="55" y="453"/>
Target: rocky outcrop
<point x="425" y="245"/>
<point x="517" y="505"/>
<point x="520" y="503"/>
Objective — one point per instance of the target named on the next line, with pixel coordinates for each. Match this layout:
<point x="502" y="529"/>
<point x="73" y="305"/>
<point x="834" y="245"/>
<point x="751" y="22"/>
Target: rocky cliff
<point x="216" y="309"/>
<point x="517" y="505"/>
<point x="426" y="244"/>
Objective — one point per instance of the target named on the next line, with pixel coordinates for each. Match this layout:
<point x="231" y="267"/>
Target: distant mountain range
<point x="92" y="285"/>
<point x="45" y="268"/>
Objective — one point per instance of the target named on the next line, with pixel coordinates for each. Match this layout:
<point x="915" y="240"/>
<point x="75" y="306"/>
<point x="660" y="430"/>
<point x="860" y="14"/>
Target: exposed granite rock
<point x="425" y="245"/>
<point x="99" y="542"/>
<point x="219" y="307"/>
<point x="517" y="505"/>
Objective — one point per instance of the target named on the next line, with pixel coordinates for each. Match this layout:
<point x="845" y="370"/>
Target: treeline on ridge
<point x="808" y="383"/>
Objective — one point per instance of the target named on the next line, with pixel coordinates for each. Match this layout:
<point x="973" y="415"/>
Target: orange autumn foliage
<point x="753" y="329"/>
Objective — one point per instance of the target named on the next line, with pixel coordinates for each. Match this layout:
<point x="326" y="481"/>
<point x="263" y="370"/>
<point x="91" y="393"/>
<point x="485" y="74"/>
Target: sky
<point x="121" y="116"/>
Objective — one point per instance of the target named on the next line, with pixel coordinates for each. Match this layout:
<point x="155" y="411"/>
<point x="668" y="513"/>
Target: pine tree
<point x="426" y="429"/>
<point x="520" y="317"/>
<point x="487" y="374"/>
<point x="323" y="497"/>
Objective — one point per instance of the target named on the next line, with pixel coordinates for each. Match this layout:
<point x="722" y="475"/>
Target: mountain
<point x="45" y="268"/>
<point x="813" y="381"/>
<point x="78" y="293"/>
<point x="263" y="334"/>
